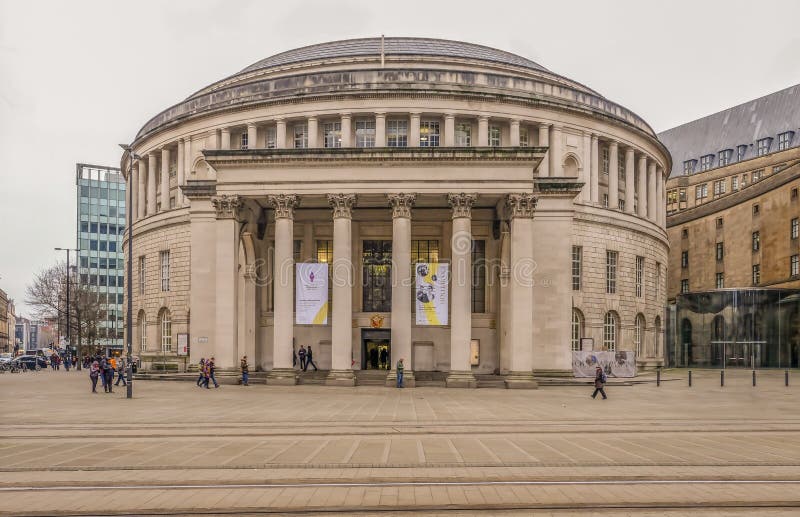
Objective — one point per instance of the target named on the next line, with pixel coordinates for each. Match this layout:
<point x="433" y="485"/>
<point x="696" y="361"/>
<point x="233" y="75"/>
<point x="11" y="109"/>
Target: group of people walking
<point x="306" y="358"/>
<point x="208" y="368"/>
<point x="104" y="368"/>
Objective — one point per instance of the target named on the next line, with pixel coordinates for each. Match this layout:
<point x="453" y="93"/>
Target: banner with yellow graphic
<point x="431" y="293"/>
<point x="311" y="295"/>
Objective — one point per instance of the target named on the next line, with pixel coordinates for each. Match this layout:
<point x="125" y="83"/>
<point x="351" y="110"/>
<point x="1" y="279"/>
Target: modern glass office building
<point x="101" y="224"/>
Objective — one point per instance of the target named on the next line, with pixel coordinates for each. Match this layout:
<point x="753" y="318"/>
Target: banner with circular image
<point x="431" y="293"/>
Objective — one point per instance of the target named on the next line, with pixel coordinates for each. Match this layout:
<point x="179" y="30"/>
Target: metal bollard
<point x="722" y="378"/>
<point x="690" y="378"/>
<point x="786" y="378"/>
<point x="658" y="377"/>
<point x="754" y="378"/>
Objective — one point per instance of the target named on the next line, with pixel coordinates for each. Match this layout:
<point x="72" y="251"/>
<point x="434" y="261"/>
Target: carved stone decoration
<point x="521" y="205"/>
<point x="227" y="206"/>
<point x="342" y="205"/>
<point x="401" y="204"/>
<point x="461" y="204"/>
<point x="284" y="205"/>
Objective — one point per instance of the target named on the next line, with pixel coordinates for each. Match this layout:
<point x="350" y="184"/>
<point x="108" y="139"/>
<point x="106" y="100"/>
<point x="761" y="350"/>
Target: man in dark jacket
<point x="599" y="381"/>
<point x="310" y="359"/>
<point x="245" y="371"/>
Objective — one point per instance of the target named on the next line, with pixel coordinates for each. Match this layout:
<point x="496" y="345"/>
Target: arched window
<point x="142" y="332"/>
<point x="577" y="329"/>
<point x="570" y="167"/>
<point x="638" y="335"/>
<point x="166" y="330"/>
<point x="610" y="331"/>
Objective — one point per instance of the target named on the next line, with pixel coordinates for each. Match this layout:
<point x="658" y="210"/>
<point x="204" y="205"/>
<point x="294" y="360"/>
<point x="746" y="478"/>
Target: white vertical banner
<point x="311" y="298"/>
<point x="432" y="293"/>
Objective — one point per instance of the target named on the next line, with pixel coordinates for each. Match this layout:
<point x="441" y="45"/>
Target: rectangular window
<point x="463" y="135"/>
<point x="577" y="259"/>
<point x="611" y="271"/>
<point x="172" y="202"/>
<point x="685" y="285"/>
<point x="756" y="241"/>
<point x="719" y="187"/>
<point x="429" y="133"/>
<point x="793" y="195"/>
<point x="397" y="133"/>
<point x="605" y="159"/>
<point x="621" y="168"/>
<point x="794" y="269"/>
<point x="300" y="136"/>
<point x="762" y="146"/>
<point x="524" y="138"/>
<point x="325" y="256"/>
<point x="672" y="197"/>
<point x="741" y="151"/>
<point x="756" y="210"/>
<point x="725" y="157"/>
<point x="756" y="274"/>
<point x="744" y="180"/>
<point x="735" y="183"/>
<point x="272" y="138"/>
<point x="605" y="200"/>
<point x="757" y="175"/>
<point x="621" y="203"/>
<point x="720" y="280"/>
<point x="166" y="332"/>
<point x="684" y="259"/>
<point x="164" y="270"/>
<point x="377" y="276"/>
<point x="785" y="140"/>
<point x="688" y="167"/>
<point x="365" y="133"/>
<point x="682" y="195"/>
<point x="494" y="136"/>
<point x="706" y="162"/>
<point x="795" y="229"/>
<point x="701" y="192"/>
<point x="720" y="222"/>
<point x="333" y="134"/>
<point x="479" y="276"/>
<point x="243" y="141"/>
<point x="142" y="274"/>
<point x="720" y="251"/>
<point x="639" y="276"/>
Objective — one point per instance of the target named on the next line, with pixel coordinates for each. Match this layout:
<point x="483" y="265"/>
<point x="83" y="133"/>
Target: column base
<point x="521" y="381"/>
<point x="408" y="379"/>
<point x="282" y="377"/>
<point x="340" y="378"/>
<point x="461" y="379"/>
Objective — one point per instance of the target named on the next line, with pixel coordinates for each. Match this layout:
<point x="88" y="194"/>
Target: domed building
<point x="457" y="206"/>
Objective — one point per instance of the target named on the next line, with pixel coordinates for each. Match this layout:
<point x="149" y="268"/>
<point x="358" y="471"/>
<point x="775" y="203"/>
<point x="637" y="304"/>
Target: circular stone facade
<point x="539" y="201"/>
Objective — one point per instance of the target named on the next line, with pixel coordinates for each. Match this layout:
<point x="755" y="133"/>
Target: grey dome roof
<point x="394" y="47"/>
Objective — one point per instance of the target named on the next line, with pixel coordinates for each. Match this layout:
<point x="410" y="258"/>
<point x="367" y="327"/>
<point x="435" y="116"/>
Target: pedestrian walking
<point x="94" y="373"/>
<point x="121" y="374"/>
<point x="202" y="369"/>
<point x="204" y="374"/>
<point x="245" y="371"/>
<point x="103" y="363"/>
<point x="599" y="380"/>
<point x="302" y="355"/>
<point x="384" y="358"/>
<point x="309" y="358"/>
<point x="400" y="369"/>
<point x="108" y="371"/>
<point x="212" y="367"/>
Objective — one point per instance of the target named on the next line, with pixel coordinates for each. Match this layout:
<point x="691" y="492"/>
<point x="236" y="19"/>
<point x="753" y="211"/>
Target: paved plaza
<point x="178" y="449"/>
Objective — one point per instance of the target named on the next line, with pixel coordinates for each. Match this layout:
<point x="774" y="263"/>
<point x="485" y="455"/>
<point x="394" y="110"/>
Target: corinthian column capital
<point x="521" y="205"/>
<point x="461" y="204"/>
<point x="284" y="205"/>
<point x="342" y="204"/>
<point x="401" y="204"/>
<point x="227" y="207"/>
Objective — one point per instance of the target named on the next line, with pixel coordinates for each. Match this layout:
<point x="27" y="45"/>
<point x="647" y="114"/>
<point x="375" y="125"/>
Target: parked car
<point x="32" y="362"/>
<point x="6" y="357"/>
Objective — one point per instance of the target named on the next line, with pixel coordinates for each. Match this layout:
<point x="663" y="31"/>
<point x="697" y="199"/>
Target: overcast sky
<point x="79" y="77"/>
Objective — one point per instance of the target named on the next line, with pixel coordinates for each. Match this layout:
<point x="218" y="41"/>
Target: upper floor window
<point x="762" y="146"/>
<point x="165" y="270"/>
<point x="463" y="135"/>
<point x="639" y="275"/>
<point x="243" y="143"/>
<point x="300" y="136"/>
<point x="494" y="136"/>
<point x="672" y="196"/>
<point x="684" y="259"/>
<point x="701" y="191"/>
<point x="605" y="160"/>
<point x="795" y="231"/>
<point x="365" y="133"/>
<point x="688" y="166"/>
<point x="741" y="151"/>
<point x="621" y="168"/>
<point x="720" y="280"/>
<point x="756" y="274"/>
<point x="397" y="133"/>
<point x="142" y="273"/>
<point x="524" y="138"/>
<point x="429" y="133"/>
<point x="685" y="285"/>
<point x="735" y="183"/>
<point x="785" y="140"/>
<point x="272" y="138"/>
<point x="706" y="162"/>
<point x="756" y="241"/>
<point x="577" y="266"/>
<point x="794" y="269"/>
<point x="757" y="175"/>
<point x="719" y="187"/>
<point x="333" y="134"/>
<point x="720" y="251"/>
<point x="611" y="271"/>
<point x="725" y="157"/>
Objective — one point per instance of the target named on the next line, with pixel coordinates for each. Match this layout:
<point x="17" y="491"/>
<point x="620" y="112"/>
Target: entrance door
<point x="376" y="350"/>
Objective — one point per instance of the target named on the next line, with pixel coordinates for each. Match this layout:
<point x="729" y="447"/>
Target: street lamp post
<point x="69" y="339"/>
<point x="129" y="277"/>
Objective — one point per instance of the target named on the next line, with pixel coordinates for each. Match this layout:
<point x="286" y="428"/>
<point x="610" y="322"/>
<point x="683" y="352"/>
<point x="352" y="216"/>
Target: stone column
<point x="252" y="136"/>
<point x="283" y="281"/>
<point x="556" y="142"/>
<point x="227" y="270"/>
<point x="141" y="209"/>
<point x="413" y="130"/>
<point x="133" y="184"/>
<point x="652" y="206"/>
<point x="164" y="179"/>
<point x="586" y="173"/>
<point x="521" y="208"/>
<point x="544" y="141"/>
<point x="595" y="170"/>
<point x="151" y="184"/>
<point x="225" y="139"/>
<point x="313" y="130"/>
<point x="347" y="130"/>
<point x="483" y="131"/>
<point x="513" y="128"/>
<point x="642" y="186"/>
<point x="342" y="275"/>
<point x="449" y="130"/>
<point x="280" y="133"/>
<point x="181" y="173"/>
<point x="630" y="188"/>
<point x="461" y="375"/>
<point x="380" y="129"/>
<point x="662" y="201"/>
<point x="613" y="176"/>
<point x="401" y="287"/>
